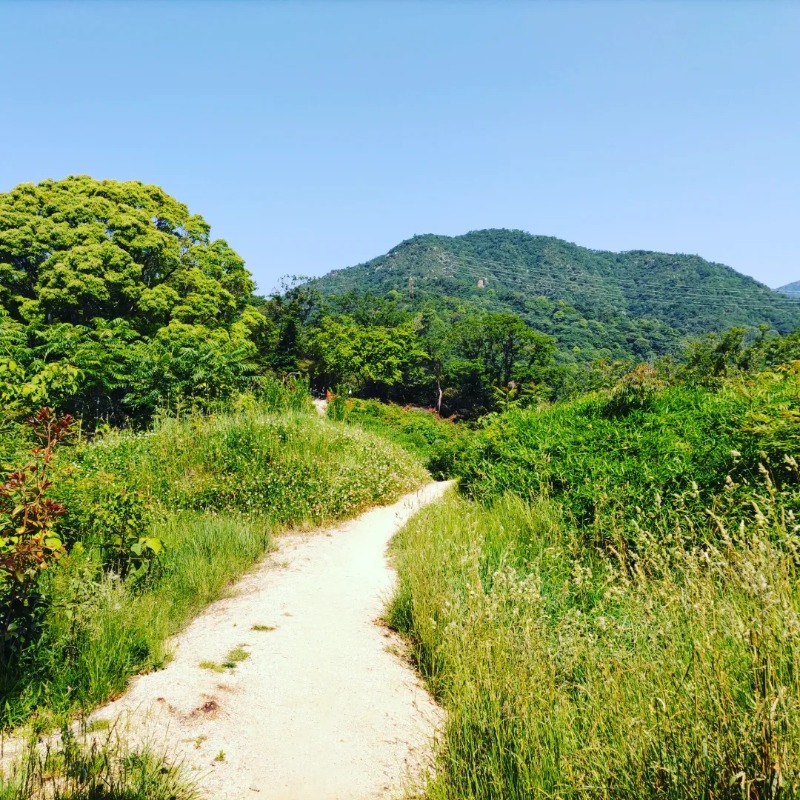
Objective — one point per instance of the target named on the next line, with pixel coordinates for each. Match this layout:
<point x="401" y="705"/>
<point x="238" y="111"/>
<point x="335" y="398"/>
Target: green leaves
<point x="357" y="356"/>
<point x="98" y="280"/>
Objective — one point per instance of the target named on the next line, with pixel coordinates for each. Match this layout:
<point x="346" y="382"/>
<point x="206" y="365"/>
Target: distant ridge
<point x="595" y="303"/>
<point x="791" y="289"/>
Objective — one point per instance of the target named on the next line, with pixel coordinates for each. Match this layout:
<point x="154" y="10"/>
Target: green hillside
<point x="595" y="303"/>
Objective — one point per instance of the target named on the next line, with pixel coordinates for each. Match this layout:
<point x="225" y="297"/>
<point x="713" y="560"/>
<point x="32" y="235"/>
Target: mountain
<point x="791" y="289"/>
<point x="595" y="303"/>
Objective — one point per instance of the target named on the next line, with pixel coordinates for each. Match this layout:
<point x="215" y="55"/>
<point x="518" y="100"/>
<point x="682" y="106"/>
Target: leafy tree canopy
<point x="78" y="249"/>
<point x="114" y="300"/>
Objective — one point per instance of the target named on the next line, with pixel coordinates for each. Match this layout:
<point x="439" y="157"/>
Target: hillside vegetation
<point x="595" y="304"/>
<point x="148" y="528"/>
<point x="116" y="304"/>
<point x="612" y="607"/>
<point x="609" y="605"/>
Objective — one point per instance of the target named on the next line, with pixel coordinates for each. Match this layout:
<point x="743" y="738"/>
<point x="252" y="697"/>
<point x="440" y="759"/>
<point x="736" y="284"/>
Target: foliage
<point x="363" y="357"/>
<point x="28" y="542"/>
<point x="115" y="301"/>
<point x="85" y="767"/>
<point x="566" y="672"/>
<point x="611" y="462"/>
<point x="595" y="304"/>
<point x="436" y="441"/>
<point x="210" y="490"/>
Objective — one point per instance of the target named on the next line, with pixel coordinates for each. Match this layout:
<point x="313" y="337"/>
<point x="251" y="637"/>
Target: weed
<point x="91" y="769"/>
<point x="235" y="656"/>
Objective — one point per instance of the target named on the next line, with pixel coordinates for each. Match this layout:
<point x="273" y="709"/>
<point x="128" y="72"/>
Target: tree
<point x="366" y="359"/>
<point x="97" y="277"/>
<point x="494" y="351"/>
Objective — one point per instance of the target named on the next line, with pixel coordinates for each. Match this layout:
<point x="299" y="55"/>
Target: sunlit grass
<point x="216" y="489"/>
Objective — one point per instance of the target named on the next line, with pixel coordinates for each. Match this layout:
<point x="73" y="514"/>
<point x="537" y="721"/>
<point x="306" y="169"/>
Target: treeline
<point x="116" y="303"/>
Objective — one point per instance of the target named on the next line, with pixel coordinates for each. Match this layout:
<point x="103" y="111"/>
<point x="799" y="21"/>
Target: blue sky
<point x="313" y="136"/>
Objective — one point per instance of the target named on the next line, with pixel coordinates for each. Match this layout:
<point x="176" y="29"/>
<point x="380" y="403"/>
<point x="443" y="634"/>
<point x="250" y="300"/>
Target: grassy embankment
<point x="435" y="441"/>
<point x="213" y="490"/>
<point x="613" y="610"/>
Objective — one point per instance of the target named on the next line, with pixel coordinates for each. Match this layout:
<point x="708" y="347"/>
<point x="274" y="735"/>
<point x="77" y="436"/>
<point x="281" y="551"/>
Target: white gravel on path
<point x="323" y="708"/>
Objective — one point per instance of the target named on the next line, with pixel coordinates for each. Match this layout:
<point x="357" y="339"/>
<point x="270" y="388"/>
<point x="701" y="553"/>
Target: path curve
<point x="323" y="708"/>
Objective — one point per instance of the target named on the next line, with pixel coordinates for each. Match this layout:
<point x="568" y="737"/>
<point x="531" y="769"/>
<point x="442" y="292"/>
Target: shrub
<point x="29" y="543"/>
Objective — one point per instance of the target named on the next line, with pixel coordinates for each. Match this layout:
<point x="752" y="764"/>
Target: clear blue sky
<point x="313" y="136"/>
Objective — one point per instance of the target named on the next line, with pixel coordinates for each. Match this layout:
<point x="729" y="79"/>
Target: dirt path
<point x="322" y="707"/>
<point x="321" y="406"/>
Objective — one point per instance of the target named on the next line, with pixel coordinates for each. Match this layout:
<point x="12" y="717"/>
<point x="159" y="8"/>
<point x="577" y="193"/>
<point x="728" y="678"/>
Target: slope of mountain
<point x="595" y="303"/>
<point x="791" y="289"/>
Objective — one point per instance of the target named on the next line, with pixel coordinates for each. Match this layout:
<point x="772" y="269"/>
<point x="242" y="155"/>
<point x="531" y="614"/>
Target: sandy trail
<point x="323" y="708"/>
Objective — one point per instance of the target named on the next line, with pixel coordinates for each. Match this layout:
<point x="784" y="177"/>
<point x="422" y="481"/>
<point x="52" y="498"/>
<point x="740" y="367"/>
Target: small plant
<point x="235" y="656"/>
<point x="635" y="390"/>
<point x="231" y="660"/>
<point x="212" y="665"/>
<point x="263" y="628"/>
<point x="338" y="407"/>
<point x="220" y="757"/>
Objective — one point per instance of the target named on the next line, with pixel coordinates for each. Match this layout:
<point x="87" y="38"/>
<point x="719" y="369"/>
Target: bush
<point x="687" y="450"/>
<point x="436" y="441"/>
<point x="29" y="543"/>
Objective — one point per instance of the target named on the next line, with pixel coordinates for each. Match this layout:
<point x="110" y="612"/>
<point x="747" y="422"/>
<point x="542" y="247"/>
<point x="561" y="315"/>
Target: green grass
<point x="436" y="441"/>
<point x="214" y="490"/>
<point x="89" y="768"/>
<point x="616" y="611"/>
<point x="236" y="655"/>
<point x="568" y="674"/>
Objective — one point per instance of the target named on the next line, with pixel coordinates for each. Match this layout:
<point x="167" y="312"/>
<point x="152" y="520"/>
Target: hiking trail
<point x="324" y="706"/>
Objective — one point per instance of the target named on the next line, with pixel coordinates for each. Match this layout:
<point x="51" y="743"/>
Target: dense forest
<point x="594" y="304"/>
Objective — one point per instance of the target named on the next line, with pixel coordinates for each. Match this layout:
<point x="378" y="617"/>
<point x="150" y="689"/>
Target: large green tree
<point x="78" y="249"/>
<point x="116" y="279"/>
<point x="368" y="359"/>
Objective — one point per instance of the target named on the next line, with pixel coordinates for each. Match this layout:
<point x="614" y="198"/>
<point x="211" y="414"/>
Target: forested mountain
<point x="791" y="289"/>
<point x="595" y="304"/>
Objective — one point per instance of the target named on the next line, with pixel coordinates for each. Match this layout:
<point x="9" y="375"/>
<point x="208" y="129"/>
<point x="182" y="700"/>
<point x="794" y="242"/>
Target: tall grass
<point x="92" y="767"/>
<point x="566" y="673"/>
<point x="213" y="489"/>
<point x="436" y="441"/>
<point x="616" y="612"/>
